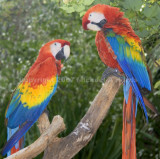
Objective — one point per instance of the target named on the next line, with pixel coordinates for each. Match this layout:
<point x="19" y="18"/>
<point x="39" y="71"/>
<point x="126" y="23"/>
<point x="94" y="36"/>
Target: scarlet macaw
<point x="34" y="92"/>
<point x="120" y="49"/>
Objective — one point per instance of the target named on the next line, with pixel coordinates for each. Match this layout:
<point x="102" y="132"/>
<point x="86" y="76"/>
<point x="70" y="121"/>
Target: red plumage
<point x="129" y="128"/>
<point x="115" y="20"/>
<point x="105" y="52"/>
<point x="46" y="66"/>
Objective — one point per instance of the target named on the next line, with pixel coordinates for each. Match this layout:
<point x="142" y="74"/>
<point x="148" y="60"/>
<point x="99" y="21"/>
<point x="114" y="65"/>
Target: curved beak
<point x="84" y="24"/>
<point x="64" y="53"/>
<point x="60" y="55"/>
<point x="101" y="23"/>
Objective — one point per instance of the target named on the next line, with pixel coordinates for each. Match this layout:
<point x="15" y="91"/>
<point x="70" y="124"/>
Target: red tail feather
<point x="14" y="150"/>
<point x="129" y="128"/>
<point x="20" y="146"/>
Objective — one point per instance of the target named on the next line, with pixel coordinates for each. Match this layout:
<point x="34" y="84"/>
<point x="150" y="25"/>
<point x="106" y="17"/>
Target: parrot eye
<point x="55" y="48"/>
<point x="96" y="17"/>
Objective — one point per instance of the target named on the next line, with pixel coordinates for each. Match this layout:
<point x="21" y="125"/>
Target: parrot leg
<point x="111" y="72"/>
<point x="46" y="111"/>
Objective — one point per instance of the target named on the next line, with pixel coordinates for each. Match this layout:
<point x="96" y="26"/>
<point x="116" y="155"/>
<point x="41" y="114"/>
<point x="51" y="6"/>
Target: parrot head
<point x="100" y="15"/>
<point x="59" y="49"/>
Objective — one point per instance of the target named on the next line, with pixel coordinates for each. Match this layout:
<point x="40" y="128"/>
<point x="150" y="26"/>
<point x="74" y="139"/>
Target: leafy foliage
<point x="26" y="25"/>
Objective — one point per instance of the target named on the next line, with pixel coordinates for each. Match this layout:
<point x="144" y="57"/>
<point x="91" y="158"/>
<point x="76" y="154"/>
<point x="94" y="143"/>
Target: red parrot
<point x="33" y="94"/>
<point x="120" y="49"/>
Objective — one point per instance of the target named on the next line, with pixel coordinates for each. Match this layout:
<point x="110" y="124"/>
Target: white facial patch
<point x="93" y="27"/>
<point x="95" y="17"/>
<point x="66" y="51"/>
<point x="55" y="48"/>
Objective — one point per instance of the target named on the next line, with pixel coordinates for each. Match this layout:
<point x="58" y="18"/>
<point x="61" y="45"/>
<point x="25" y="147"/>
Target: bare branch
<point x="67" y="147"/>
<point x="42" y="142"/>
<point x="43" y="122"/>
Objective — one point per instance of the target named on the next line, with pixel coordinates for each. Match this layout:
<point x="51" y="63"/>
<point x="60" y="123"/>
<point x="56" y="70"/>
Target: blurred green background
<point x="26" y="25"/>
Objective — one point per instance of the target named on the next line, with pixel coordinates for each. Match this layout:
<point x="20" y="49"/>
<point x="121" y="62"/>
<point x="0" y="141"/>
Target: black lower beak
<point x="101" y="23"/>
<point x="60" y="55"/>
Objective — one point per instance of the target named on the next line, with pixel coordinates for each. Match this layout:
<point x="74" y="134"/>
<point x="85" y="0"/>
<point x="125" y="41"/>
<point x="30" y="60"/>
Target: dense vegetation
<point x="26" y="25"/>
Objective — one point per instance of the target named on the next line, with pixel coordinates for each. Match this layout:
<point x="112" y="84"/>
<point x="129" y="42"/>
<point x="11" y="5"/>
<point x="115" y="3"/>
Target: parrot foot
<point x="111" y="72"/>
<point x="46" y="111"/>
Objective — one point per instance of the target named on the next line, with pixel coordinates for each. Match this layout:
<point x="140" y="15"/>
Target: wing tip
<point x="4" y="151"/>
<point x="16" y="137"/>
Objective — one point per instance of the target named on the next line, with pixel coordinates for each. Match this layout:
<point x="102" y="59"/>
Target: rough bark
<point x="69" y="146"/>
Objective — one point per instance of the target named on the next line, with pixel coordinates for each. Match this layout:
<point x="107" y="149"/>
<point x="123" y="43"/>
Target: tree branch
<point x="42" y="142"/>
<point x="67" y="147"/>
<point x="43" y="122"/>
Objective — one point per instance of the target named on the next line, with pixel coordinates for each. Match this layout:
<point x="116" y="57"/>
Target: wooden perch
<point x="42" y="142"/>
<point x="69" y="146"/>
<point x="43" y="122"/>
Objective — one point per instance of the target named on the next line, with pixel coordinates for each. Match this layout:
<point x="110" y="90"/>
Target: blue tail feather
<point x="17" y="136"/>
<point x="10" y="133"/>
<point x="132" y="82"/>
<point x="126" y="94"/>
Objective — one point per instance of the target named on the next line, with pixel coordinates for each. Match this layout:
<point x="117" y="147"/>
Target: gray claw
<point x="111" y="72"/>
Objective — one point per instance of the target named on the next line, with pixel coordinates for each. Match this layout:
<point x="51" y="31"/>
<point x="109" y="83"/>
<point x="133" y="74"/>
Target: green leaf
<point x="158" y="13"/>
<point x="152" y="11"/>
<point x="152" y="22"/>
<point x="130" y="14"/>
<point x="102" y="2"/>
<point x="142" y="33"/>
<point x="132" y="5"/>
<point x="88" y="2"/>
<point x="79" y="8"/>
<point x="68" y="9"/>
<point x="157" y="85"/>
<point x="137" y="4"/>
<point x="82" y="13"/>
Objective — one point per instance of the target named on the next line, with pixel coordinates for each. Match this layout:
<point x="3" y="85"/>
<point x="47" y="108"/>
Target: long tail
<point x="150" y="105"/>
<point x="19" y="145"/>
<point x="129" y="125"/>
<point x="15" y="137"/>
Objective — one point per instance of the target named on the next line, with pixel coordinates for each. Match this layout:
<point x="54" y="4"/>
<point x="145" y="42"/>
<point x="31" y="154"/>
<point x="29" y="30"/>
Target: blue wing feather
<point x="132" y="69"/>
<point x="17" y="136"/>
<point x="17" y="115"/>
<point x="14" y="103"/>
<point x="22" y="114"/>
<point x="138" y="70"/>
